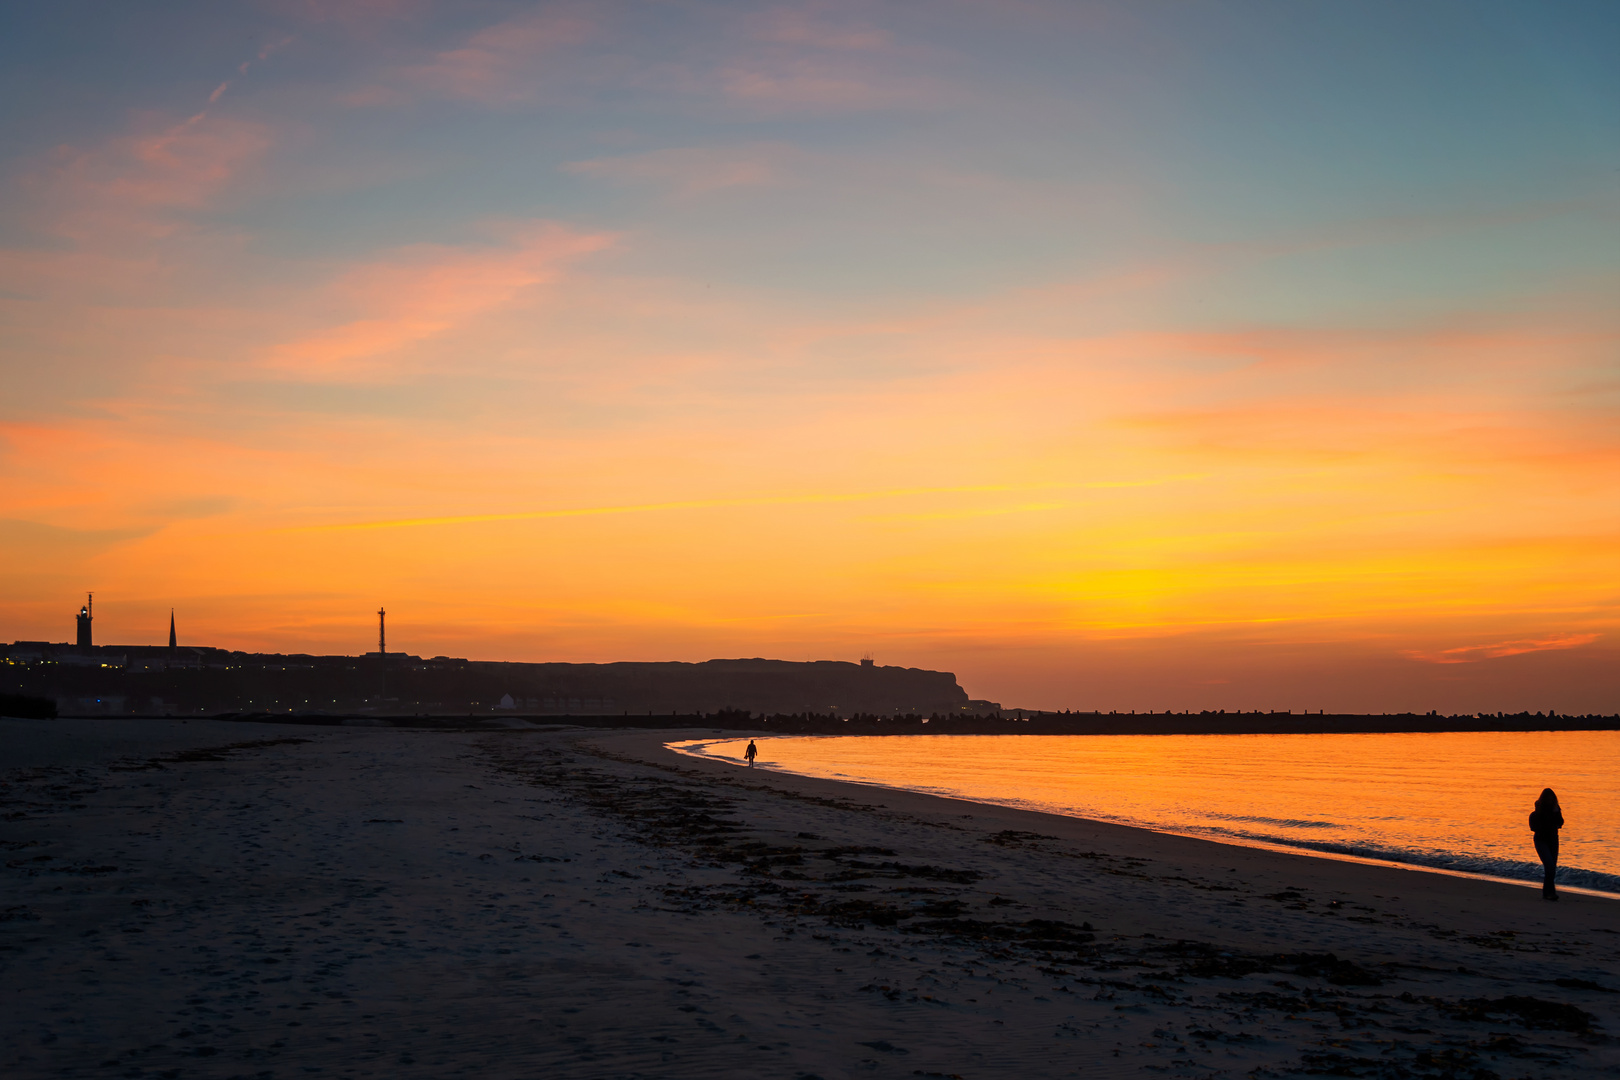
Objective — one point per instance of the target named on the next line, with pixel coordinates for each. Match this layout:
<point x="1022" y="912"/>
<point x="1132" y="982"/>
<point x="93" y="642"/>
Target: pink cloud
<point x="504" y="63"/>
<point x="1469" y="654"/>
<point x="785" y="60"/>
<point x="117" y="217"/>
<point x="424" y="290"/>
<point x="133" y="184"/>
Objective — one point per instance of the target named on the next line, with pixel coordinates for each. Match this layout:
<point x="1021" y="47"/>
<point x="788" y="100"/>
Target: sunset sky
<point x="1133" y="355"/>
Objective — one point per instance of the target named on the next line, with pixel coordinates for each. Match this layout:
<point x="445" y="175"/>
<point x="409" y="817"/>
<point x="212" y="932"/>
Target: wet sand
<point x="560" y="903"/>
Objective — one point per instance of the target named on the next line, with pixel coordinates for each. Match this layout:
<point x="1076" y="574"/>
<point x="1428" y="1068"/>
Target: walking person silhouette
<point x="753" y="752"/>
<point x="1545" y="821"/>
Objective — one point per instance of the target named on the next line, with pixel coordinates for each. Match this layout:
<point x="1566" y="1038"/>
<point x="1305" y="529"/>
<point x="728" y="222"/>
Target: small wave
<point x="1286" y="823"/>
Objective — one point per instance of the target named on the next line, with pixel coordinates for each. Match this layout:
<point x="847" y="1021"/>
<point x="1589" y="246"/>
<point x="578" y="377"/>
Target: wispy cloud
<point x="1472" y="654"/>
<point x="134" y="184"/>
<point x="414" y="293"/>
<point x="820" y="58"/>
<point x="507" y="63"/>
<point x="782" y="60"/>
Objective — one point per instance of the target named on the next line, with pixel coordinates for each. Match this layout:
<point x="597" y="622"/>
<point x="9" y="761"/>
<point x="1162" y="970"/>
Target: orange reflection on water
<point x="1456" y="801"/>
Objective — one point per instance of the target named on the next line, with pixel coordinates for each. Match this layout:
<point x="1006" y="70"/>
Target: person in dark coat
<point x="1545" y="821"/>
<point x="753" y="751"/>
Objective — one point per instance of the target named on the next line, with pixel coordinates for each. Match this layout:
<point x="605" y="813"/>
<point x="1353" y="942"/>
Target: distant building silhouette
<point x="84" y="622"/>
<point x="382" y="637"/>
<point x="173" y="644"/>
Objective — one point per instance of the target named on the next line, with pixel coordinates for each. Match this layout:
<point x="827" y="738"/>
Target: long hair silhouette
<point x="1545" y="822"/>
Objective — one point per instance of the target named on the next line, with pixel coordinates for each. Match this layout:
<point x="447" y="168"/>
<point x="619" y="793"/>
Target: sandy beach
<point x="202" y="899"/>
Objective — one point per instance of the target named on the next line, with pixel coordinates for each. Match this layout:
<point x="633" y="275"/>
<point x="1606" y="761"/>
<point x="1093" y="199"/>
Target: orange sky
<point x="735" y="377"/>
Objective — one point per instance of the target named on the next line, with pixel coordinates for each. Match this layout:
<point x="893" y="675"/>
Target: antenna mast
<point x="382" y="637"/>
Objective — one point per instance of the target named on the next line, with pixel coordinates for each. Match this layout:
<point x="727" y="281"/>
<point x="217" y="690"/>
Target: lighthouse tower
<point x="84" y="622"/>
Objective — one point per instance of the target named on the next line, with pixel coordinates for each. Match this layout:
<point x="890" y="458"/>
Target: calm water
<point x="1455" y="801"/>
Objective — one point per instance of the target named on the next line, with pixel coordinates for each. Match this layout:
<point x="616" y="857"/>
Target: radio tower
<point x="382" y="655"/>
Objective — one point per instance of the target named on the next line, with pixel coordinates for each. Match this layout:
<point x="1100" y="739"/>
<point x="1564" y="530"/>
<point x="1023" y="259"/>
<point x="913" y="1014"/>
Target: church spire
<point x="171" y="632"/>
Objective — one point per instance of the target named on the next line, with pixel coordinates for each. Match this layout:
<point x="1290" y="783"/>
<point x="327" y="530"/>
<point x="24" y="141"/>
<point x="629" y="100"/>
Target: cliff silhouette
<point x="142" y="680"/>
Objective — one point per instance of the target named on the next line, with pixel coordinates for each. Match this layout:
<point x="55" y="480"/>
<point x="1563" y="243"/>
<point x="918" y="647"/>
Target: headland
<point x="780" y="696"/>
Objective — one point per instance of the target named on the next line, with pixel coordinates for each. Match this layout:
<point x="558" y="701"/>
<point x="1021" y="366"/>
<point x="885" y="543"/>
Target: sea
<point x="1454" y="802"/>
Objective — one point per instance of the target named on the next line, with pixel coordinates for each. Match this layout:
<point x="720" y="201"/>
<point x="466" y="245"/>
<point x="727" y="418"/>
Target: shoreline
<point x="205" y="899"/>
<point x="1260" y="845"/>
<point x="655" y="748"/>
